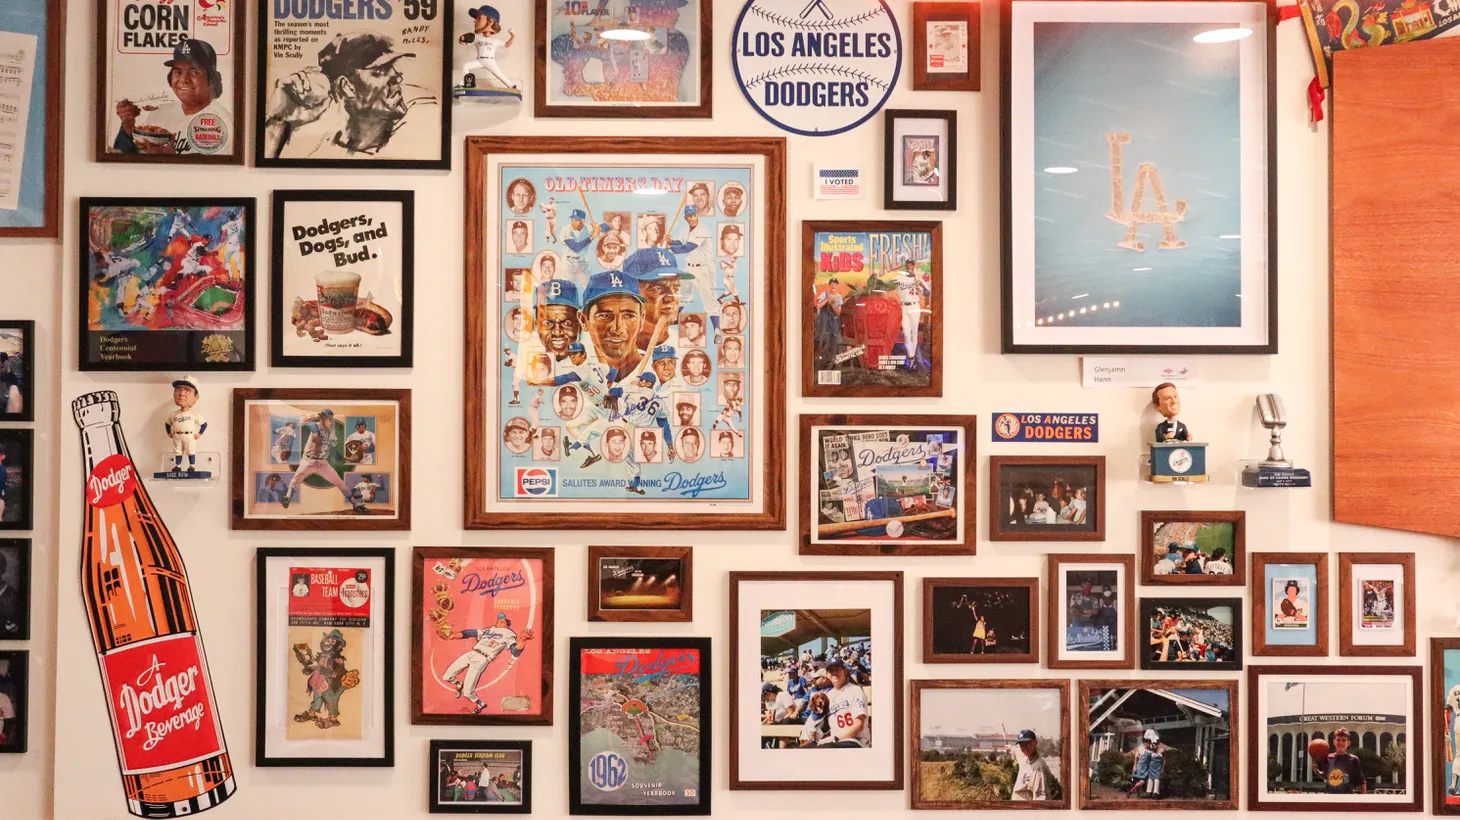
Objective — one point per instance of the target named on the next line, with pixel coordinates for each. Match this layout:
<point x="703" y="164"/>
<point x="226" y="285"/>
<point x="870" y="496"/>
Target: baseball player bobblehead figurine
<point x="486" y="38"/>
<point x="490" y="641"/>
<point x="185" y="426"/>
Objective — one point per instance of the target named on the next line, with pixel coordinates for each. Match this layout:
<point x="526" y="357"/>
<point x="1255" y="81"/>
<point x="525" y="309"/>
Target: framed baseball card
<point x="326" y="459"/>
<point x="1047" y="498"/>
<point x="366" y="86"/>
<point x="945" y="54"/>
<point x="980" y="620"/>
<point x="872" y="309"/>
<point x="481" y="636"/>
<point x="1376" y="604"/>
<point x="326" y="657"/>
<point x="32" y="116"/>
<point x="639" y="726"/>
<point x="920" y="160"/>
<point x="1189" y="548"/>
<point x="481" y="777"/>
<point x="342" y="279"/>
<point x="640" y="583"/>
<point x="1290" y="604"/>
<point x="166" y="284"/>
<point x="17" y="370"/>
<point x="14" y="701"/>
<point x="1445" y="725"/>
<point x="1091" y="611"/>
<point x="643" y="388"/>
<point x="17" y="479"/>
<point x="887" y="484"/>
<point x="15" y="589"/>
<point x="622" y="58"/>
<point x="169" y="79"/>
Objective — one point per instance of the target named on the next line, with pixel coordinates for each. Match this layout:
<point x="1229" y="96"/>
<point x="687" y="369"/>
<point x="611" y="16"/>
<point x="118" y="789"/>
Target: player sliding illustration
<point x="489" y="644"/>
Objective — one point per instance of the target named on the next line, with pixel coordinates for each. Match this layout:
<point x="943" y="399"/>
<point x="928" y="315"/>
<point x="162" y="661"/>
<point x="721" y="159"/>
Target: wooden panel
<point x="1396" y="285"/>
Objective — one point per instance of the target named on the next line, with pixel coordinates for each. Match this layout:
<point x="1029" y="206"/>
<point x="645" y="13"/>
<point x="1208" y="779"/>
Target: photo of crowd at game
<point x="816" y="679"/>
<point x="1189" y="630"/>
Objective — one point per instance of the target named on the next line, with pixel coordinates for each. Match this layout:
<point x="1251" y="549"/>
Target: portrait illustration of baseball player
<point x="696" y="368"/>
<point x="194" y="119"/>
<point x="491" y="641"/>
<point x="702" y="196"/>
<point x="731" y="245"/>
<point x="650" y="230"/>
<point x="185" y="425"/>
<point x="360" y="443"/>
<point x="544" y="267"/>
<point x="331" y="449"/>
<point x="732" y="199"/>
<point x="519" y="238"/>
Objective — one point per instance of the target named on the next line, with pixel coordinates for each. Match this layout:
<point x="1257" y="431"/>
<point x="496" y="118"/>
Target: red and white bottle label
<point x="111" y="482"/>
<point x="162" y="711"/>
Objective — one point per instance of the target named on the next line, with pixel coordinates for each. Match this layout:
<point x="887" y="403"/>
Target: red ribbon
<point x="1315" y="101"/>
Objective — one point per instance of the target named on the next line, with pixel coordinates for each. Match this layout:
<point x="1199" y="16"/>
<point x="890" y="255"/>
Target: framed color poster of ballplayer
<point x="1091" y="611"/>
<point x="480" y="777"/>
<point x="32" y="36"/>
<point x="169" y="79"/>
<point x="640" y="583"/>
<point x="166" y="284"/>
<point x="872" y="309"/>
<point x="620" y="58"/>
<point x="946" y="51"/>
<point x="342" y="279"/>
<point x="1444" y="725"/>
<point x="17" y="370"/>
<point x="1376" y="604"/>
<point x="1178" y="255"/>
<point x="625" y="362"/>
<point x="887" y="484"/>
<point x="326" y="657"/>
<point x="920" y="160"/>
<point x="366" y="86"/>
<point x="1290" y="604"/>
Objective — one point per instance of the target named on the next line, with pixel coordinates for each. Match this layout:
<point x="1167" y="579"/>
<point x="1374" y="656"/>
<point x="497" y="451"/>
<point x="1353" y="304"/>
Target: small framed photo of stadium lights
<point x="1192" y="634"/>
<point x="1047" y="498"/>
<point x="1184" y="547"/>
<point x="1091" y="612"/>
<point x="1290" y="604"/>
<point x="919" y="160"/>
<point x="1335" y="738"/>
<point x="816" y="680"/>
<point x="991" y="744"/>
<point x="640" y="583"/>
<point x="887" y="484"/>
<point x="1444" y="712"/>
<point x="1158" y="745"/>
<point x="980" y="620"/>
<point x="1376" y="604"/>
<point x="481" y="777"/>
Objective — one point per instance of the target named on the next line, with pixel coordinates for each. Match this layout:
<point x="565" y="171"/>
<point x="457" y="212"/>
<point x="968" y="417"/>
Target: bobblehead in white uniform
<point x="185" y="425"/>
<point x="490" y="643"/>
<point x="486" y="22"/>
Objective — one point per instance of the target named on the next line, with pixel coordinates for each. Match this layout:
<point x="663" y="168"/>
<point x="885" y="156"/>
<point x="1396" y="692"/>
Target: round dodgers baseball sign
<point x="817" y="67"/>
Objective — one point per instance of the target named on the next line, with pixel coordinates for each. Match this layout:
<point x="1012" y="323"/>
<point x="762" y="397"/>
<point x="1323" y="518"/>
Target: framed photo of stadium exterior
<point x="945" y="50"/>
<point x="639" y="736"/>
<point x="887" y="484"/>
<point x="871" y="309"/>
<point x="31" y="176"/>
<point x="325" y="694"/>
<point x="1047" y="498"/>
<point x="482" y="636"/>
<point x="1335" y="738"/>
<point x="799" y="637"/>
<point x="1376" y="604"/>
<point x="630" y="584"/>
<point x="952" y="727"/>
<point x="623" y="59"/>
<point x="1186" y="547"/>
<point x="614" y="391"/>
<point x="1444" y="709"/>
<point x="1091" y="612"/>
<point x="481" y="777"/>
<point x="1192" y="634"/>
<point x="919" y="160"/>
<point x="980" y="620"/>
<point x="1290" y="604"/>
<point x="1157" y="261"/>
<point x="1167" y="745"/>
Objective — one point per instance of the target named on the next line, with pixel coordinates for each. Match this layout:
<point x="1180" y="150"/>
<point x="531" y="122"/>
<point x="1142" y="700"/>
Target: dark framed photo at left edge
<point x="325" y="694"/>
<point x="342" y="279"/>
<point x="480" y="777"/>
<point x="166" y="284"/>
<point x="14" y="700"/>
<point x="17" y="370"/>
<point x="17" y="479"/>
<point x="32" y="33"/>
<point x="15" y="589"/>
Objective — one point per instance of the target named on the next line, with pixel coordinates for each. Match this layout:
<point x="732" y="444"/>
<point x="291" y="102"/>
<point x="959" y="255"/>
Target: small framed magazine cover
<point x="1092" y="611"/>
<point x="481" y="777"/>
<point x="920" y="160"/>
<point x="32" y="178"/>
<point x="342" y="281"/>
<point x="887" y="484"/>
<point x="639" y="736"/>
<point x="1290" y="604"/>
<point x="1376" y="604"/>
<point x="14" y="701"/>
<point x="326" y="657"/>
<point x="15" y="589"/>
<point x="17" y="370"/>
<point x="636" y="584"/>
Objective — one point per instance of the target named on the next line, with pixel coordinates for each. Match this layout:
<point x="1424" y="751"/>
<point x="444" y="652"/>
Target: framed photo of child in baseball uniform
<point x="482" y="636"/>
<point x="325" y="694"/>
<point x="326" y="459"/>
<point x="32" y="37"/>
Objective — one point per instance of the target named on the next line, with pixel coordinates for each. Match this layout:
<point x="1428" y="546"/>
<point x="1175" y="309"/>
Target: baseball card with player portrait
<point x="482" y="637"/>
<point x="611" y="58"/>
<point x="649" y="230"/>
<point x="329" y="619"/>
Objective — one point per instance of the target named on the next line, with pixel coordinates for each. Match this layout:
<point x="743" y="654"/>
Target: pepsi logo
<point x="537" y="482"/>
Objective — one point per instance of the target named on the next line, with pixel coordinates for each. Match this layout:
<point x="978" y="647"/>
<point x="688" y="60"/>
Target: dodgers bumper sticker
<point x="1056" y="428"/>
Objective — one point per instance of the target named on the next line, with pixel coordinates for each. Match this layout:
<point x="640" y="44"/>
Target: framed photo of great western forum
<point x="624" y="364"/>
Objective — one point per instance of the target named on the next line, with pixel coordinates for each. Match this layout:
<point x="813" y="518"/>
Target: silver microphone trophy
<point x="1275" y="470"/>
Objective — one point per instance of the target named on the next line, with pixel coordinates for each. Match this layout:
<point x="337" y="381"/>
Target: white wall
<point x="39" y="281"/>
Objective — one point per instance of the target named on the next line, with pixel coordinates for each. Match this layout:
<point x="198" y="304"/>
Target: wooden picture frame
<point x="443" y="754"/>
<point x="15" y="589"/>
<point x="882" y="247"/>
<point x="1352" y="619"/>
<point x="1169" y="690"/>
<point x="934" y="644"/>
<point x="749" y="767"/>
<point x="546" y="48"/>
<point x="260" y="453"/>
<point x="16" y="675"/>
<point x="928" y="73"/>
<point x="270" y="749"/>
<point x="41" y="177"/>
<point x="19" y="449"/>
<point x="1262" y="637"/>
<point x="495" y="498"/>
<point x="683" y="658"/>
<point x="19" y="335"/>
<point x="512" y="568"/>
<point x="910" y="134"/>
<point x="1175" y="643"/>
<point x="1005" y="502"/>
<point x="1236" y="564"/>
<point x="1123" y="611"/>
<point x="1369" y="720"/>
<point x="1444" y="677"/>
<point x="925" y="688"/>
<point x="950" y="491"/>
<point x="677" y="605"/>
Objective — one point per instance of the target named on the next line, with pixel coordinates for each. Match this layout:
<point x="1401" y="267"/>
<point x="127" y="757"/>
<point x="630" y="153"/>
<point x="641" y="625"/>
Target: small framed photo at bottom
<point x="14" y="701"/>
<point x="1192" y="634"/>
<point x="481" y="777"/>
<point x="920" y="160"/>
<point x="17" y="474"/>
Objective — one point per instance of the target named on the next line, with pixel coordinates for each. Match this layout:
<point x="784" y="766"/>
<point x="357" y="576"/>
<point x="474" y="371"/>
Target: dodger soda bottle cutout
<point x="170" y="746"/>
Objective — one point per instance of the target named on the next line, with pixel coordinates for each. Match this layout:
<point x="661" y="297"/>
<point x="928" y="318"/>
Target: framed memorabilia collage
<point x="32" y="40"/>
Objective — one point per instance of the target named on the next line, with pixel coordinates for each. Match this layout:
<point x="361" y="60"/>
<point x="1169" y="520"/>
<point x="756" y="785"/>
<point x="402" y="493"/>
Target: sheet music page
<point x="17" y="70"/>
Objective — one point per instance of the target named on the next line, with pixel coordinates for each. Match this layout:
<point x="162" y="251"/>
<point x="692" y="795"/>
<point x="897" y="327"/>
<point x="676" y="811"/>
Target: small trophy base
<point x="487" y="95"/>
<point x="1261" y="477"/>
<point x="205" y="470"/>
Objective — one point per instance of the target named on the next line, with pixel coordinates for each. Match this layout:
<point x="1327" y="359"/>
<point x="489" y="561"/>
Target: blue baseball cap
<point x="327" y="412"/>
<point x="576" y="347"/>
<point x="647" y="377"/>
<point x="557" y="292"/>
<point x="486" y="11"/>
<point x="664" y="352"/>
<point x="502" y="616"/>
<point x="652" y="264"/>
<point x="611" y="283"/>
<point x="1026" y="735"/>
<point x="690" y="210"/>
<point x="577" y="214"/>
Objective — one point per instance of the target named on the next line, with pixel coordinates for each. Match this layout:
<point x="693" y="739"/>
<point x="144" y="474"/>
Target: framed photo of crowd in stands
<point x="816" y="680"/>
<point x="1047" y="498"/>
<point x="980" y="620"/>
<point x="1194" y="548"/>
<point x="1091" y="612"/>
<point x="1376" y="604"/>
<point x="1192" y="634"/>
<point x="481" y="777"/>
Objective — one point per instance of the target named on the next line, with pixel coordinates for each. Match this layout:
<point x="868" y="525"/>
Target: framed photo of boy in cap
<point x="355" y="90"/>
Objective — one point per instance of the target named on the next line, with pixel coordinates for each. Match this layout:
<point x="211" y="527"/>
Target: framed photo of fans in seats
<point x="624" y="365"/>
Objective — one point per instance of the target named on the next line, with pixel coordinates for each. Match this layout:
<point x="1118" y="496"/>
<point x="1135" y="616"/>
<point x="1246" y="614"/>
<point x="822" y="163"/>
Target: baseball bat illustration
<point x="664" y="240"/>
<point x="589" y="210"/>
<point x="853" y="526"/>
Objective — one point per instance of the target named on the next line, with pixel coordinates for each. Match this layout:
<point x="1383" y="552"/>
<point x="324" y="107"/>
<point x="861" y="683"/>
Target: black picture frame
<point x="15" y="600"/>
<point x="178" y="363"/>
<point x="1149" y="605"/>
<point x="19" y="447"/>
<point x="261" y="757"/>
<point x="26" y="377"/>
<point x="434" y="805"/>
<point x="575" y="740"/>
<point x="890" y="160"/>
<point x="18" y="691"/>
<point x="279" y="302"/>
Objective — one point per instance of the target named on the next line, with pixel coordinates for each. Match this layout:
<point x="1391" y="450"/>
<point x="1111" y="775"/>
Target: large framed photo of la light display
<point x="1139" y="184"/>
<point x="625" y="365"/>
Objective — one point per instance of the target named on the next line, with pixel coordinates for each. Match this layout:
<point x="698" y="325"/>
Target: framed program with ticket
<point x="625" y="363"/>
<point x="32" y="116"/>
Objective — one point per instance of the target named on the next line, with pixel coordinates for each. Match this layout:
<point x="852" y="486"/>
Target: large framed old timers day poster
<point x="624" y="363"/>
<point x="1139" y="186"/>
